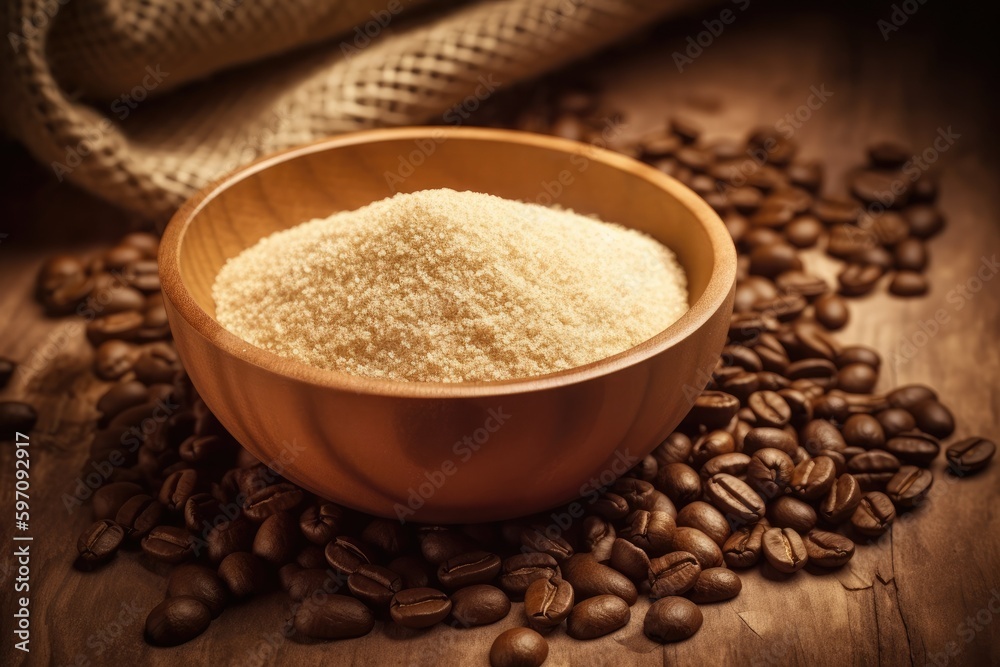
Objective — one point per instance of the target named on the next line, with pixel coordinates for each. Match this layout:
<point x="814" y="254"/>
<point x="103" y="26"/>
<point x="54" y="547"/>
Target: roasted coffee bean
<point x="244" y="574"/>
<point x="650" y="531"/>
<point x="548" y="602"/>
<point x="934" y="418"/>
<point x="784" y="307"/>
<point x="804" y="231"/>
<point x="156" y="363"/>
<point x="925" y="220"/>
<point x="311" y="557"/>
<point x="858" y="279"/>
<point x="475" y="567"/>
<point x="629" y="559"/>
<point x="734" y="498"/>
<point x="636" y="492"/>
<point x="909" y="486"/>
<point x="858" y="354"/>
<point x="874" y="514"/>
<point x="177" y="488"/>
<point x="828" y="549"/>
<point x="169" y="544"/>
<point x="836" y="211"/>
<point x="333" y="617"/>
<point x="714" y="409"/>
<point x="889" y="227"/>
<point x="672" y="619"/>
<point x="590" y="578"/>
<point x="519" y="571"/>
<point x="909" y="283"/>
<point x="119" y="398"/>
<point x="910" y="255"/>
<point x="673" y="574"/>
<point x="304" y="583"/>
<point x="733" y="463"/>
<point x="597" y="616"/>
<point x="415" y="571"/>
<point x="229" y="537"/>
<point x="741" y="386"/>
<point x="895" y="421"/>
<point x="715" y="585"/>
<point x="374" y="585"/>
<point x="480" y="604"/>
<point x="699" y="544"/>
<point x="773" y="259"/>
<point x="680" y="482"/>
<point x="646" y="469"/>
<point x="819" y="435"/>
<point x="200" y="512"/>
<point x="970" y="455"/>
<point x="108" y="499"/>
<point x="857" y="378"/>
<point x="885" y="188"/>
<point x="747" y="326"/>
<point x="875" y="461"/>
<point x="277" y="539"/>
<point x="710" y="445"/>
<point x="817" y="370"/>
<point x="802" y="284"/>
<point x="832" y="312"/>
<point x="138" y="515"/>
<point x="344" y="554"/>
<point x="705" y="518"/>
<point x="113" y="359"/>
<point x="176" y="620"/>
<point x="774" y="214"/>
<point x="909" y="396"/>
<point x="784" y="550"/>
<point x="864" y="431"/>
<point x="675" y="449"/>
<point x="806" y="175"/>
<point x="271" y="500"/>
<point x="116" y="326"/>
<point x="199" y="582"/>
<point x="760" y="438"/>
<point x="519" y="647"/>
<point x="888" y="155"/>
<point x="832" y="407"/>
<point x="419" y="607"/>
<point x="321" y="523"/>
<point x="770" y="471"/>
<point x="743" y="548"/>
<point x="789" y="512"/>
<point x="18" y="417"/>
<point x="813" y="478"/>
<point x="538" y="539"/>
<point x="99" y="543"/>
<point x="598" y="536"/>
<point x="914" y="447"/>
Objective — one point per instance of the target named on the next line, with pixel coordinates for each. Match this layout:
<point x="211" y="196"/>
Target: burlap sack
<point x="148" y="152"/>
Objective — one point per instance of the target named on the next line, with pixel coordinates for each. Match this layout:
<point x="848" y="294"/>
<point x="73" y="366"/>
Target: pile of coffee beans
<point x="787" y="459"/>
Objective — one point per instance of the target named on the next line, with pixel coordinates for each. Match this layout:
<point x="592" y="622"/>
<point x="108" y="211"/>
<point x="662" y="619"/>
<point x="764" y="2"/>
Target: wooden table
<point x="926" y="595"/>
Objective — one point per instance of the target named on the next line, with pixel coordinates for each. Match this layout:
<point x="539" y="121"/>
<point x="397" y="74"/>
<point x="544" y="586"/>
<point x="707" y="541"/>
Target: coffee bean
<point x="672" y="619"/>
<point x="199" y="582"/>
<point x="480" y="604"/>
<point x="764" y="437"/>
<point x="138" y="515"/>
<point x="304" y="583"/>
<point x="895" y="421"/>
<point x="770" y="471"/>
<point x="176" y="620"/>
<point x="864" y="431"/>
<point x="168" y="544"/>
<point x="344" y="554"/>
<point x="934" y="418"/>
<point x="859" y="279"/>
<point x="244" y="574"/>
<point x="832" y="312"/>
<point x="733" y="463"/>
<point x="714" y="409"/>
<point x="419" y="607"/>
<point x="909" y="396"/>
<point x="889" y="227"/>
<point x="909" y="283"/>
<point x="229" y="537"/>
<point x="874" y="461"/>
<point x="914" y="447"/>
<point x="828" y="549"/>
<point x="743" y="548"/>
<point x="590" y="578"/>
<point x="804" y="231"/>
<point x="680" y="482"/>
<point x="277" y="539"/>
<point x="715" y="585"/>
<point x="813" y="478"/>
<point x="909" y="486"/>
<point x="177" y="488"/>
<point x="18" y="417"/>
<point x="770" y="409"/>
<point x="705" y="518"/>
<point x="99" y="543"/>
<point x="675" y="449"/>
<point x="650" y="531"/>
<point x="597" y="616"/>
<point x="888" y="155"/>
<point x="116" y="326"/>
<point x="857" y="378"/>
<point x="333" y="617"/>
<point x="789" y="512"/>
<point x="548" y="602"/>
<point x="475" y="567"/>
<point x="629" y="559"/>
<point x="519" y="647"/>
<point x="734" y="498"/>
<point x="970" y="455"/>
<point x="874" y="514"/>
<point x="311" y="557"/>
<point x="818" y="370"/>
<point x="773" y="259"/>
<point x="699" y="544"/>
<point x="673" y="574"/>
<point x="519" y="571"/>
<point x="885" y="188"/>
<point x="320" y="523"/>
<point x="784" y="550"/>
<point x="374" y="585"/>
<point x="156" y="363"/>
<point x="108" y="499"/>
<point x="271" y="500"/>
<point x="598" y="536"/>
<point x="538" y="539"/>
<point x="925" y="220"/>
<point x="910" y="255"/>
<point x="119" y="398"/>
<point x="819" y="435"/>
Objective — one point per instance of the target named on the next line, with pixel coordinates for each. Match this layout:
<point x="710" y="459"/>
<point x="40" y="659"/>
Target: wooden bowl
<point x="437" y="452"/>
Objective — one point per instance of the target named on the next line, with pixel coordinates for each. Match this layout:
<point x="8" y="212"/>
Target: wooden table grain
<point x="927" y="594"/>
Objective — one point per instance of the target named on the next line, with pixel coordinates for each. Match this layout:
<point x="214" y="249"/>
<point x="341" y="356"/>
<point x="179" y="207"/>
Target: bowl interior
<point x="352" y="171"/>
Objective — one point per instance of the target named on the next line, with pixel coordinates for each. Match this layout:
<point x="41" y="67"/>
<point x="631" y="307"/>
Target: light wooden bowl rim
<point x="720" y="283"/>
